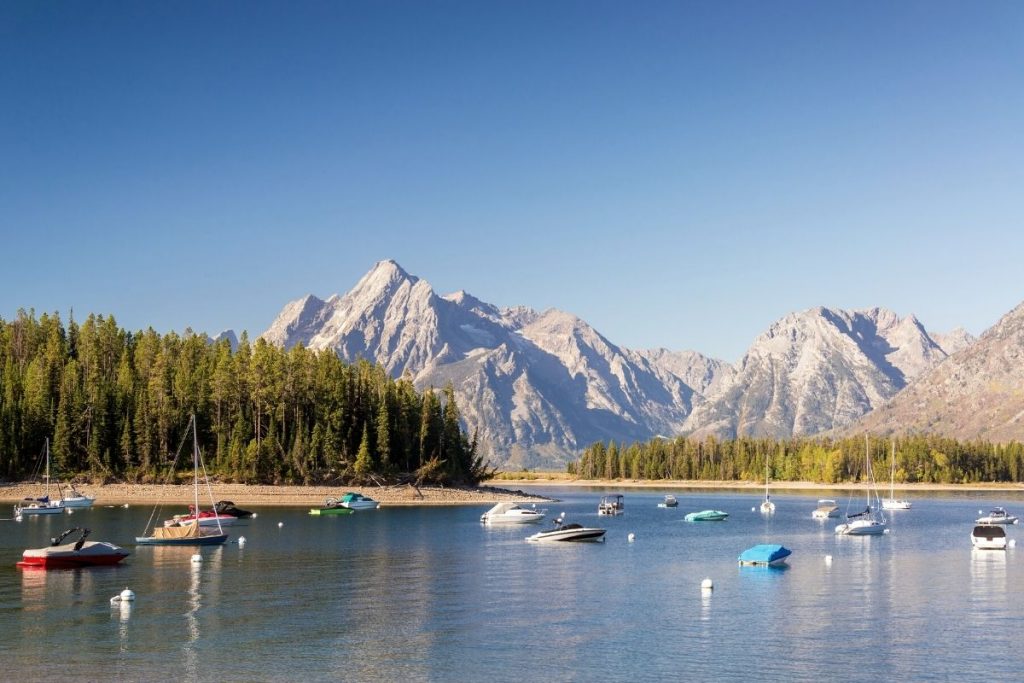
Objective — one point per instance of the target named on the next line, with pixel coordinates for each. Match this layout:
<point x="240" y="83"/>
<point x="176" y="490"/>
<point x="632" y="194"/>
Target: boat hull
<point x="93" y="554"/>
<point x="327" y="512"/>
<point x="860" y="529"/>
<point x="889" y="504"/>
<point x="513" y="519"/>
<point x="584" y="535"/>
<point x="825" y="514"/>
<point x="41" y="510"/>
<point x="212" y="539"/>
<point x="76" y="502"/>
<point x="706" y="516"/>
<point x="204" y="522"/>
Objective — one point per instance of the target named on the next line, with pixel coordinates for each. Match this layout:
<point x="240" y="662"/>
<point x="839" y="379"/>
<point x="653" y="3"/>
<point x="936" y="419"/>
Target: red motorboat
<point x="80" y="553"/>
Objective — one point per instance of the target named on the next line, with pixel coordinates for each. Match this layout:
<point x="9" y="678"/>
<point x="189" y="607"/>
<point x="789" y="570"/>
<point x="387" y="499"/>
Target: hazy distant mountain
<point x="541" y="385"/>
<point x="817" y="370"/>
<point x="538" y="386"/>
<point x="976" y="393"/>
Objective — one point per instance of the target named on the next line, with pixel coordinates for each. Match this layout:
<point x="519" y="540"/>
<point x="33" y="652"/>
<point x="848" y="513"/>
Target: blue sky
<point x="679" y="174"/>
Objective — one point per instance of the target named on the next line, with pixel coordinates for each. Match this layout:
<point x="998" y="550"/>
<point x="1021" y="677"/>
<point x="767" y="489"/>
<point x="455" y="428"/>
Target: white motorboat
<point x="893" y="503"/>
<point x="669" y="502"/>
<point x="357" y="501"/>
<point x="512" y="513"/>
<point x="869" y="522"/>
<point x="826" y="508"/>
<point x="997" y="516"/>
<point x="568" y="533"/>
<point x="74" y="499"/>
<point x="988" y="537"/>
<point x="611" y="505"/>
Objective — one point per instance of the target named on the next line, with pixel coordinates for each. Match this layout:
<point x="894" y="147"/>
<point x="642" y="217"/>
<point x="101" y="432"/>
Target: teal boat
<point x="706" y="516"/>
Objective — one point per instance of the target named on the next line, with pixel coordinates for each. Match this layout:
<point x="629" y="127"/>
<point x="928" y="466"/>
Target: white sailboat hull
<point x="861" y="527"/>
<point x="891" y="504"/>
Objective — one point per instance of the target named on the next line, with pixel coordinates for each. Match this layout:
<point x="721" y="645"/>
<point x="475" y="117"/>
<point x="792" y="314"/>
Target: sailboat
<point x="869" y="522"/>
<point x="187" y="534"/>
<point x="767" y="506"/>
<point x="42" y="505"/>
<point x="891" y="503"/>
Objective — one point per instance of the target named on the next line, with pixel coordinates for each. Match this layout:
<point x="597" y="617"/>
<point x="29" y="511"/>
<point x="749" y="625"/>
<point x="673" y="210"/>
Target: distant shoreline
<point x="250" y="494"/>
<point x="745" y="485"/>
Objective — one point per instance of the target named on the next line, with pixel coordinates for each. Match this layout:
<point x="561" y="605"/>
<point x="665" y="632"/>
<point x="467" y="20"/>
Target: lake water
<point x="430" y="594"/>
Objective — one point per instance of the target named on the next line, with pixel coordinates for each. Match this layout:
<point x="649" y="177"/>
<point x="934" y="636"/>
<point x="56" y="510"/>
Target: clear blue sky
<point x="678" y="174"/>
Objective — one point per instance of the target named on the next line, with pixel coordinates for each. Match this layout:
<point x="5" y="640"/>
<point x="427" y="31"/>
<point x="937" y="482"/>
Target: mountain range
<point x="540" y="385"/>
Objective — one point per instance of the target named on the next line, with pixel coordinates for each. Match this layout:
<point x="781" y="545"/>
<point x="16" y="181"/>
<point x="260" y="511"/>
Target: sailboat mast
<point x="195" y="467"/>
<point x="47" y="467"/>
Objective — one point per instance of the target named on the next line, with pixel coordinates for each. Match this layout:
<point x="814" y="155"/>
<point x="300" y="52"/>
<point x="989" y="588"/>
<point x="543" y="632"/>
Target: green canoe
<point x="330" y="511"/>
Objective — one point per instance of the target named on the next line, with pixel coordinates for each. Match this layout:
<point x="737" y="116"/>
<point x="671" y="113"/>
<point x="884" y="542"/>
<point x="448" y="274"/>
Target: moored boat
<point x="331" y="507"/>
<point x="512" y="513"/>
<point x="74" y="499"/>
<point x="611" y="505"/>
<point x="826" y="508"/>
<point x="563" y="532"/>
<point x="706" y="516"/>
<point x="357" y="501"/>
<point x="177" y="533"/>
<point x="765" y="555"/>
<point x="669" y="502"/>
<point x="41" y="505"/>
<point x="226" y="507"/>
<point x="78" y="553"/>
<point x="988" y="537"/>
<point x="868" y="522"/>
<point x="892" y="502"/>
<point x="207" y="518"/>
<point x="997" y="516"/>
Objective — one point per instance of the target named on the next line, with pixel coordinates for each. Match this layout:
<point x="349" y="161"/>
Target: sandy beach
<point x="245" y="494"/>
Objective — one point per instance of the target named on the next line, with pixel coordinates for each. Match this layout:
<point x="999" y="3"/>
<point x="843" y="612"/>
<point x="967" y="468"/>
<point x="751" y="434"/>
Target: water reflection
<point x="192" y="622"/>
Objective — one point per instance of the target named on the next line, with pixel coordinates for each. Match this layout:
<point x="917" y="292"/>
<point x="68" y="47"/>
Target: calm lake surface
<point x="430" y="594"/>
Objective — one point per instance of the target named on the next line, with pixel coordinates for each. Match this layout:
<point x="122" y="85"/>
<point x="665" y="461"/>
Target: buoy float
<point x="631" y="537"/>
<point x="254" y="515"/>
<point x="241" y="540"/>
<point x="980" y="512"/>
<point x="753" y="509"/>
<point x="127" y="595"/>
<point x="70" y="511"/>
<point x="828" y="559"/>
<point x="126" y="506"/>
<point x="280" y="524"/>
<point x="18" y="518"/>
<point x="707" y="585"/>
<point x="197" y="559"/>
<point x="1012" y="543"/>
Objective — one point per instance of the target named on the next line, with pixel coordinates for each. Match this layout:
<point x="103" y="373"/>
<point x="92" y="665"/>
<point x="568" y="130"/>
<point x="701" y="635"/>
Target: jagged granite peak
<point x="955" y="340"/>
<point x="974" y="394"/>
<point x="537" y="386"/>
<point x="817" y="370"/>
<point x="703" y="373"/>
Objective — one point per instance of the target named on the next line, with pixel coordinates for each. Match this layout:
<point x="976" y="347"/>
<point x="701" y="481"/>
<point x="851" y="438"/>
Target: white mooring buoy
<point x="280" y="524"/>
<point x="631" y="537"/>
<point x="828" y="559"/>
<point x="254" y="515"/>
<point x="707" y="585"/>
<point x="241" y="541"/>
<point x="753" y="509"/>
<point x="197" y="559"/>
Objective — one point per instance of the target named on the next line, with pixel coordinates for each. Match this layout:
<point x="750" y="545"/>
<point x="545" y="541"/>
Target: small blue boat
<point x="706" y="516"/>
<point x="765" y="555"/>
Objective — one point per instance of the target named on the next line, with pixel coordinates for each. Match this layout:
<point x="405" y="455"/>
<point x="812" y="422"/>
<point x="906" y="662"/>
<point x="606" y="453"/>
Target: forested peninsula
<point x="918" y="459"/>
<point x="115" y="406"/>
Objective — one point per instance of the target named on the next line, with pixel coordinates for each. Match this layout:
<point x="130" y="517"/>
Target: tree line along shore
<point x="914" y="459"/>
<point x="115" y="406"/>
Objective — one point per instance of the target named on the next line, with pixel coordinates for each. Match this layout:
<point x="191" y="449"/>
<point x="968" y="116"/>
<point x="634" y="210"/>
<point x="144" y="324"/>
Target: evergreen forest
<point x="918" y="458"/>
<point x="115" y="406"/>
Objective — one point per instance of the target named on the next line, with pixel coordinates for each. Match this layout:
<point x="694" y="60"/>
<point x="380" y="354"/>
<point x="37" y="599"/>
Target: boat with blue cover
<point x="706" y="516"/>
<point x="765" y="555"/>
